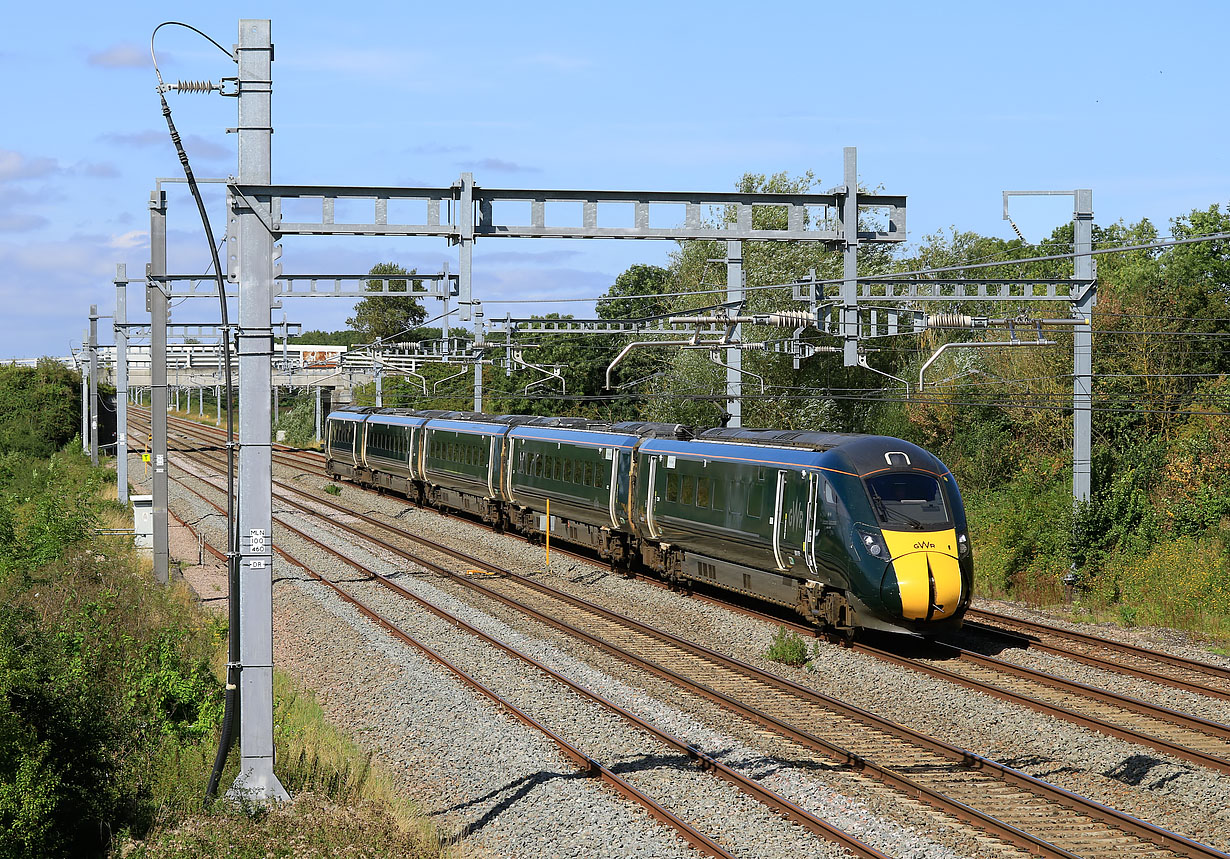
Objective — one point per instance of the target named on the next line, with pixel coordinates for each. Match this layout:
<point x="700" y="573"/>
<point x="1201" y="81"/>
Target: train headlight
<point x="962" y="545"/>
<point x="874" y="544"/>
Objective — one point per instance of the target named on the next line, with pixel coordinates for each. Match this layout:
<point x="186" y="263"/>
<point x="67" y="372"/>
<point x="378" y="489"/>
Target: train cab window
<point x="687" y="490"/>
<point x="702" y="492"/>
<point x="672" y="487"/>
<point x="908" y="500"/>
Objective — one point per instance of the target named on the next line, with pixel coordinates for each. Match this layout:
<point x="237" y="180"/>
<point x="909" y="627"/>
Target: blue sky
<point x="948" y="103"/>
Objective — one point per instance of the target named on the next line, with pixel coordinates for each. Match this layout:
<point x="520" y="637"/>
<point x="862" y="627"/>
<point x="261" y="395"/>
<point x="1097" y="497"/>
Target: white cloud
<point x="129" y="240"/>
<point x="14" y="165"/>
<point x="125" y="55"/>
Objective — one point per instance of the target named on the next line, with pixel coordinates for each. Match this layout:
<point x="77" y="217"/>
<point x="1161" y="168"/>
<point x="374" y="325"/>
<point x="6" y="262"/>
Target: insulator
<point x="791" y="318"/>
<point x="950" y="320"/>
<point x="196" y="86"/>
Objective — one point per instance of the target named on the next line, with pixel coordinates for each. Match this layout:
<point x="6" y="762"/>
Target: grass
<point x="344" y="802"/>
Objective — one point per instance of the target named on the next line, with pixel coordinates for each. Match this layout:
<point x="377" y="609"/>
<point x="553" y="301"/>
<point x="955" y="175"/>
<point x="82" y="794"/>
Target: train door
<point x="651" y="496"/>
<point x="790" y="518"/>
<point x="809" y="524"/>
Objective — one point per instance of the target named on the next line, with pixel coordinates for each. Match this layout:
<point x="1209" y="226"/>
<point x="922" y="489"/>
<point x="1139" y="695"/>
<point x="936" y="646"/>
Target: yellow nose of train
<point x="928" y="576"/>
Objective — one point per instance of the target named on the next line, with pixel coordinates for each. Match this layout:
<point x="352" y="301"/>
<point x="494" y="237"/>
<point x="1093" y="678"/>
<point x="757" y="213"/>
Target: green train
<point x="851" y="531"/>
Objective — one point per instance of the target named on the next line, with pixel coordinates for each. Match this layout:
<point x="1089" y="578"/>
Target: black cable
<point x="231" y="712"/>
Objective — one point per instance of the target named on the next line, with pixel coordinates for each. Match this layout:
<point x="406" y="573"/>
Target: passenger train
<point x="852" y="531"/>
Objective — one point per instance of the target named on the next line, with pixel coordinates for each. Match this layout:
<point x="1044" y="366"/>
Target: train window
<point x="672" y="487"/>
<point x="702" y="492"/>
<point x="557" y="468"/>
<point x="719" y="494"/>
<point x="907" y="500"/>
<point x="538" y="465"/>
<point x="755" y="501"/>
<point x="589" y="474"/>
<point x="568" y="471"/>
<point x="687" y="492"/>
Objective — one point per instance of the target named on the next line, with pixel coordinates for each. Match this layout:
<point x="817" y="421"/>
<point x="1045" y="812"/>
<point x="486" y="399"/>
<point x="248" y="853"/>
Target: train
<point x="852" y="531"/>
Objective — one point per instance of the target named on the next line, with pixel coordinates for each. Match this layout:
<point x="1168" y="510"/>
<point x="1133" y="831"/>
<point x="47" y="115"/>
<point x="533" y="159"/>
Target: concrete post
<point x="121" y="383"/>
<point x="156" y="303"/>
<point x="252" y="263"/>
<point x="318" y="414"/>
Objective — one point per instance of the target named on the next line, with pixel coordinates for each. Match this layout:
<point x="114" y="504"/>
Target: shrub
<point x="787" y="647"/>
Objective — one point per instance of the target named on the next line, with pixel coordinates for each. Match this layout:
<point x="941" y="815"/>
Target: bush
<point x="101" y="676"/>
<point x="787" y="647"/>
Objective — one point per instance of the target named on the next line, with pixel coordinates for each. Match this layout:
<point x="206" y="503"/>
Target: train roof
<point x="808" y="439"/>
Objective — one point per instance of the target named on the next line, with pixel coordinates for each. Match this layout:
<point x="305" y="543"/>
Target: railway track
<point x="1184" y="736"/>
<point x="571" y="748"/>
<point x="1166" y="669"/>
<point x="1015" y="807"/>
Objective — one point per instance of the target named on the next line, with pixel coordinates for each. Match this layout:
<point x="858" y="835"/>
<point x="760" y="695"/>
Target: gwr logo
<point x="923" y="544"/>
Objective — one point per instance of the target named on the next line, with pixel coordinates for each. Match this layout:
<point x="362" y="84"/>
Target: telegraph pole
<point x="156" y="304"/>
<point x="121" y="383"/>
<point x="252" y="266"/>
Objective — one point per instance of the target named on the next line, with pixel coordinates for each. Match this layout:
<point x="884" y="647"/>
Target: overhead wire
<point x="233" y="653"/>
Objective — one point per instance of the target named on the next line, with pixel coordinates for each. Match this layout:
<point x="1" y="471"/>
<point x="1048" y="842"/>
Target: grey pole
<point x="121" y="383"/>
<point x="849" y="286"/>
<point x="318" y="414"/>
<point x="379" y="383"/>
<point x="217" y="405"/>
<point x="734" y="357"/>
<point x="1082" y="345"/>
<point x="275" y="405"/>
<point x="156" y="303"/>
<point x="94" y="384"/>
<point x="85" y="394"/>
<point x="465" y="269"/>
<point x="252" y="262"/>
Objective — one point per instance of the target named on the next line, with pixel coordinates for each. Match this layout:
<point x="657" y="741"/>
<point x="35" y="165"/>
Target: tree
<point x="388" y="317"/>
<point x="634" y="293"/>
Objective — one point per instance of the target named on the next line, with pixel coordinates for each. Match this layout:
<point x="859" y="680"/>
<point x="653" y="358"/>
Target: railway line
<point x="1015" y="807"/>
<point x="570" y="748"/>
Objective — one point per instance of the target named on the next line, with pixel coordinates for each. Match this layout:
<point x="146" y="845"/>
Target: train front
<point x="913" y="549"/>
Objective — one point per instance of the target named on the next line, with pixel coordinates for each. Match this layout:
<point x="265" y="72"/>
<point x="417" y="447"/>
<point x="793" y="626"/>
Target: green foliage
<point x="40" y="407"/>
<point x="388" y="317"/>
<point x="297" y="418"/>
<point x="333" y="489"/>
<point x="787" y="647"/>
<point x="100" y="675"/>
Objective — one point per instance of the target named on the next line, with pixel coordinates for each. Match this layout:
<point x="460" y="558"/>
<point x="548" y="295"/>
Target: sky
<point x="949" y="104"/>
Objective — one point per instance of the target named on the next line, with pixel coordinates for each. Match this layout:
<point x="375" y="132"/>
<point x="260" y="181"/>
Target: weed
<point x="333" y="489"/>
<point x="787" y="647"/>
<point x="1127" y="615"/>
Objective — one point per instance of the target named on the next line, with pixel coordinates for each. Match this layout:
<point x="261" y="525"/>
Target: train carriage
<point x="583" y="470"/>
<point x="344" y="429"/>
<point x="462" y="457"/>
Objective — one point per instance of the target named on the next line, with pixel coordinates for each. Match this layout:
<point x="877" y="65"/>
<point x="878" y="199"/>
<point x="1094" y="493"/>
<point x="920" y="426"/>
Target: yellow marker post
<point x="548" y="532"/>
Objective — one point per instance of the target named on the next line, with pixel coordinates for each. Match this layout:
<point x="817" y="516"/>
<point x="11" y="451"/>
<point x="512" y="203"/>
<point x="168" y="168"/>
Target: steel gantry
<point x="259" y="214"/>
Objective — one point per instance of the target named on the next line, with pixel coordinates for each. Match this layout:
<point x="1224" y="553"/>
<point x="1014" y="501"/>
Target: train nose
<point x="924" y="574"/>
